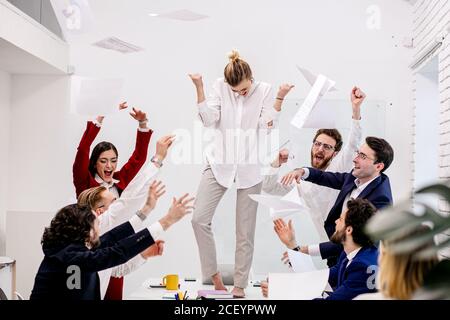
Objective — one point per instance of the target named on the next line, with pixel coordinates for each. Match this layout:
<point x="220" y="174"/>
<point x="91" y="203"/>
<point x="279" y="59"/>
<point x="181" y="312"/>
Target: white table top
<point x="146" y="293"/>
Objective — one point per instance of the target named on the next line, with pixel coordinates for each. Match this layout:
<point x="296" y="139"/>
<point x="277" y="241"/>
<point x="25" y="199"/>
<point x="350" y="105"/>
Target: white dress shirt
<point x="239" y="125"/>
<point x="123" y="209"/>
<point x="320" y="199"/>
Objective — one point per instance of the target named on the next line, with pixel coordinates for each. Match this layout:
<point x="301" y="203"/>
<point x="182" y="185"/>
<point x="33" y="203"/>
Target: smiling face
<point x="322" y="151"/>
<point x="365" y="166"/>
<point x="106" y="165"/>
<point x="243" y="88"/>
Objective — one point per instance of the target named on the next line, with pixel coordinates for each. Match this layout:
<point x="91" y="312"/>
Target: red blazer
<point x="82" y="178"/>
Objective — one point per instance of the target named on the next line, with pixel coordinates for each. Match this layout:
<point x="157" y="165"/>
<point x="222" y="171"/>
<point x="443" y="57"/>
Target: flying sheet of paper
<point x="115" y="44"/>
<point x="313" y="114"/>
<point x="301" y="262"/>
<point x="312" y="78"/>
<point x="279" y="214"/>
<point x="93" y="97"/>
<point x="74" y="16"/>
<point x="183" y="15"/>
<point x="276" y="203"/>
<point x="297" y="286"/>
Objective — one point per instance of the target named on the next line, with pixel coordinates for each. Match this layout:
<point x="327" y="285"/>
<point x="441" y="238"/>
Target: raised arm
<point x="139" y="156"/>
<point x="208" y="111"/>
<point x="82" y="178"/>
<point x="271" y="110"/>
<point x="343" y="162"/>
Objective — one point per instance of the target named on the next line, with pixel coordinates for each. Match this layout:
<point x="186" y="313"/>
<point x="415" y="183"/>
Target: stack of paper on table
<point x="215" y="294"/>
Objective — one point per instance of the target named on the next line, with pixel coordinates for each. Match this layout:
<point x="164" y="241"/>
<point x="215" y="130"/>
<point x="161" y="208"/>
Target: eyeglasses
<point x="318" y="144"/>
<point x="362" y="156"/>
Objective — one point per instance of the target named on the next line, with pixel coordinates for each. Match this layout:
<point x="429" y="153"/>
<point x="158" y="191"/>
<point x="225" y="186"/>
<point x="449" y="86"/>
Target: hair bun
<point x="233" y="55"/>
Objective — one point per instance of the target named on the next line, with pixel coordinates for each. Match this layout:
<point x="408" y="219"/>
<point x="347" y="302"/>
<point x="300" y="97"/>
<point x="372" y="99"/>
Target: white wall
<point x="326" y="36"/>
<point x="5" y="107"/>
<point x="431" y="19"/>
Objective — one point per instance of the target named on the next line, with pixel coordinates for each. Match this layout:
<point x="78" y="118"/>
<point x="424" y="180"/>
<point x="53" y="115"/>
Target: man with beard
<point x="326" y="155"/>
<point x="367" y="181"/>
<point x="350" y="277"/>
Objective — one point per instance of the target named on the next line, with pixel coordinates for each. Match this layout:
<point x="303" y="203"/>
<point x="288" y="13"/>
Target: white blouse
<point x="239" y="126"/>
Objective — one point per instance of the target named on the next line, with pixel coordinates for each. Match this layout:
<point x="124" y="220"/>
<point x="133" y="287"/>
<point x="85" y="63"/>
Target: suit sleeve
<point x="108" y="256"/>
<point x="137" y="159"/>
<point x="330" y="249"/>
<point x="80" y="169"/>
<point x="327" y="179"/>
<point x="354" y="285"/>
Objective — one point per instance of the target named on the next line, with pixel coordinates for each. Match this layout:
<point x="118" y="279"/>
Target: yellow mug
<point x="171" y="282"/>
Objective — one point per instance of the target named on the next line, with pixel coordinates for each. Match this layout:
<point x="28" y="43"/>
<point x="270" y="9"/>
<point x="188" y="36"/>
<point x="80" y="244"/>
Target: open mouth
<point x="318" y="157"/>
<point x="108" y="173"/>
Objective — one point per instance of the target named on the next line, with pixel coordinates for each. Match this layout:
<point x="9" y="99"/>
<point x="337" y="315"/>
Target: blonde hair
<point x="91" y="197"/>
<point x="237" y="70"/>
<point x="402" y="274"/>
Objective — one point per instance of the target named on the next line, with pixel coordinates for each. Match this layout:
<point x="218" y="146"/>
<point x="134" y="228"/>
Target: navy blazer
<point x="55" y="272"/>
<point x="352" y="280"/>
<point x="378" y="192"/>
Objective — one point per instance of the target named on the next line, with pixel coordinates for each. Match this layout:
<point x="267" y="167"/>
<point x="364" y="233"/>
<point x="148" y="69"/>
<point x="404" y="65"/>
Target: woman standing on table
<point x="237" y="104"/>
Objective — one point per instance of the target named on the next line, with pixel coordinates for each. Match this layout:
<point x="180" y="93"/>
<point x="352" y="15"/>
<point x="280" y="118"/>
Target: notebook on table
<point x="215" y="294"/>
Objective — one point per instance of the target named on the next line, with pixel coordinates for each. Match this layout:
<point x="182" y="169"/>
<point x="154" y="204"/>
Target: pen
<point x="184" y="296"/>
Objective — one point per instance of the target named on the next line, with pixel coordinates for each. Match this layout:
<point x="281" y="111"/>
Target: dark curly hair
<point x="72" y="224"/>
<point x="359" y="212"/>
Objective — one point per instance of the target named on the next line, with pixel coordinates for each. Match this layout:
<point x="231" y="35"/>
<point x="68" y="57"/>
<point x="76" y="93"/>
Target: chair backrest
<point x="227" y="273"/>
<point x="3" y="295"/>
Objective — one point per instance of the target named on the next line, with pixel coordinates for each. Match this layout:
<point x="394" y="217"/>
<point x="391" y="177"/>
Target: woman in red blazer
<point x="100" y="169"/>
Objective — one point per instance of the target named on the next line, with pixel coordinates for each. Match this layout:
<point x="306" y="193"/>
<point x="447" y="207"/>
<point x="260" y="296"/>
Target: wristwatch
<point x="141" y="215"/>
<point x="157" y="161"/>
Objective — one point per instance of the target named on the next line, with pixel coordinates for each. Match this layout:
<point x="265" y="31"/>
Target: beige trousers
<point x="208" y="196"/>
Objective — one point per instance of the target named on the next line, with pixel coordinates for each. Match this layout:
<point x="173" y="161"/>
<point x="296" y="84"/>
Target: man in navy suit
<point x="74" y="252"/>
<point x="357" y="264"/>
<point x="366" y="181"/>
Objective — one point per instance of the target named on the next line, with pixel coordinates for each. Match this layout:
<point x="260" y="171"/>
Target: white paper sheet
<point x="312" y="113"/>
<point x="277" y="203"/>
<point x="183" y="15"/>
<point x="115" y="44"/>
<point x="297" y="286"/>
<point x="301" y="262"/>
<point x="74" y="16"/>
<point x="312" y="78"/>
<point x="93" y="97"/>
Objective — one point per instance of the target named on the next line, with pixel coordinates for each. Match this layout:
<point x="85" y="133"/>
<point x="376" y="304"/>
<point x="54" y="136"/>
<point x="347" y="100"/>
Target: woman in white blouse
<point x="240" y="110"/>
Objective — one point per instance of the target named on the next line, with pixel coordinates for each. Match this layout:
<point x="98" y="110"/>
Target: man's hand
<point x="155" y="249"/>
<point x="177" y="211"/>
<point x="283" y="157"/>
<point x="265" y="288"/>
<point x="286" y="233"/>
<point x="357" y="97"/>
<point x="156" y="190"/>
<point x="292" y="176"/>
<point x="196" y="79"/>
<point x="163" y="145"/>
<point x="284" y="90"/>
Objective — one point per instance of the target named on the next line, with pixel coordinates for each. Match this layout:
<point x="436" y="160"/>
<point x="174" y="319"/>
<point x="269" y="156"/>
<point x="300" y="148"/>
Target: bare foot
<point x="217" y="282"/>
<point x="238" y="292"/>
